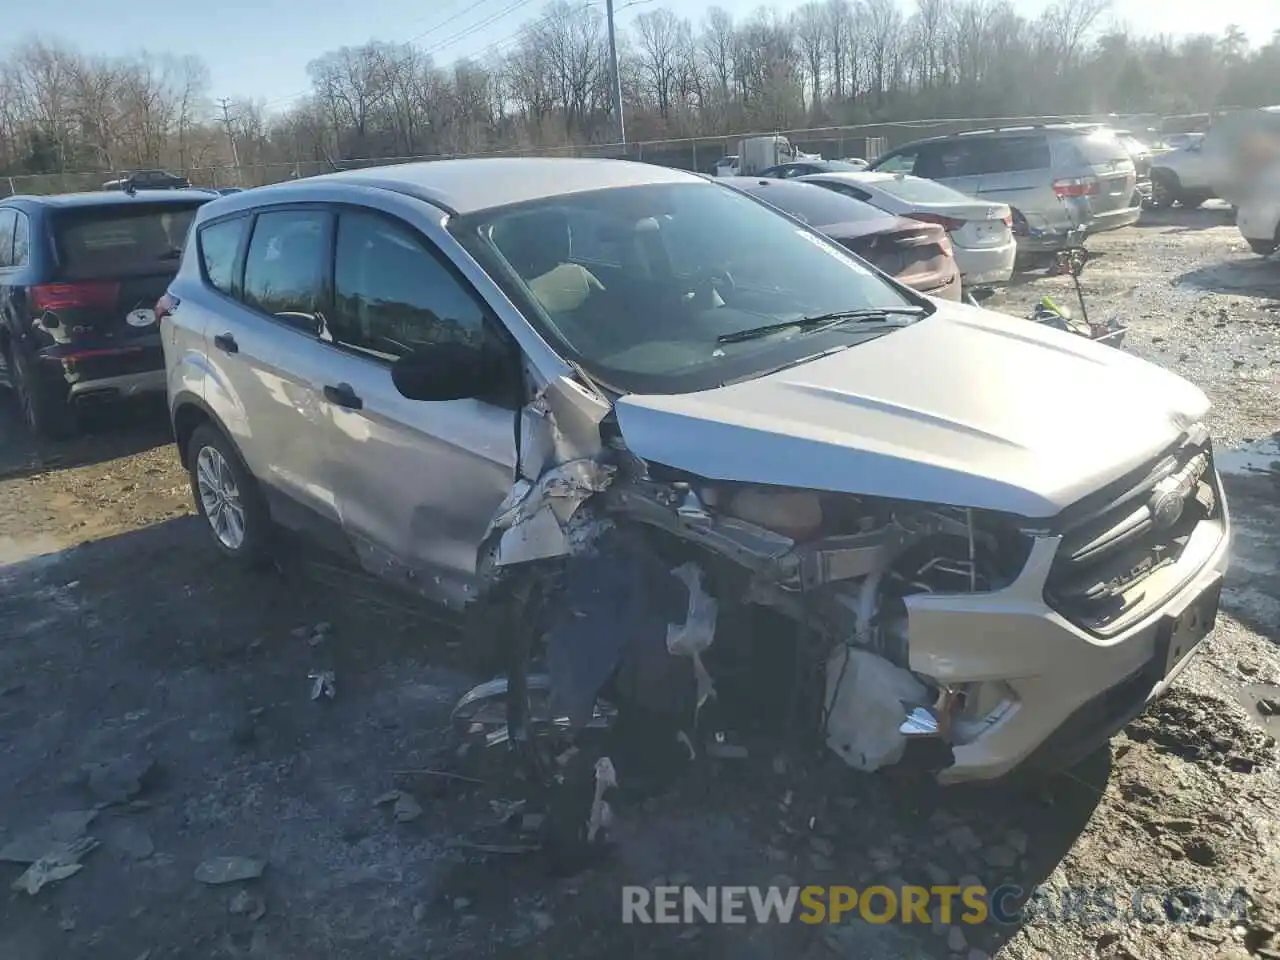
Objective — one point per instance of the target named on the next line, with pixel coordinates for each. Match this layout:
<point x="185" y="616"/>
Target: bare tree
<point x="811" y="24"/>
<point x="661" y="40"/>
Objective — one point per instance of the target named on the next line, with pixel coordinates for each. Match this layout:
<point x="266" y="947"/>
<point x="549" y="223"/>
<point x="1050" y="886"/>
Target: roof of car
<point x="470" y="185"/>
<point x="105" y="198"/>
<point x="1018" y="131"/>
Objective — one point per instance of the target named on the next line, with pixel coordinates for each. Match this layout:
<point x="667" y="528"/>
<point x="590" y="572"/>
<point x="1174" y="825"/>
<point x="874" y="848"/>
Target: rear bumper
<point x="124" y="369"/>
<point x="150" y="382"/>
<point x="986" y="265"/>
<point x="947" y="289"/>
<point x="1259" y="223"/>
<point x="1114" y="219"/>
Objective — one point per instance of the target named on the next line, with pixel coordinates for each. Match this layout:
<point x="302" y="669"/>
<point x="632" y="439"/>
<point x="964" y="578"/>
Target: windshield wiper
<point x="821" y="321"/>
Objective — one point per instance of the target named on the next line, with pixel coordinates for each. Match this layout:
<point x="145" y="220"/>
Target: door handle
<point x="343" y="395"/>
<point x="226" y="343"/>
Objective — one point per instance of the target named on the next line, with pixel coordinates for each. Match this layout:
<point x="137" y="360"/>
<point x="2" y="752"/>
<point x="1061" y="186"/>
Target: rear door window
<point x="220" y="252"/>
<point x="285" y="267"/>
<point x="1011" y="154"/>
<point x="108" y="241"/>
<point x="948" y="158"/>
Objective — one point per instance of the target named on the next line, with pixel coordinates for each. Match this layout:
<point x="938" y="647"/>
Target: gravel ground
<point x="169" y="697"/>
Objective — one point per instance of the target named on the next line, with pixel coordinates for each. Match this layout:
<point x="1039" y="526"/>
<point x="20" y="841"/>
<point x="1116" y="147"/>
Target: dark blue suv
<point x="80" y="275"/>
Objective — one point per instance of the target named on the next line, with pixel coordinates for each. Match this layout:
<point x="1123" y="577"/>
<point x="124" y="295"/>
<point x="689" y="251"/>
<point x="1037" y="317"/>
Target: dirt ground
<point x="143" y="681"/>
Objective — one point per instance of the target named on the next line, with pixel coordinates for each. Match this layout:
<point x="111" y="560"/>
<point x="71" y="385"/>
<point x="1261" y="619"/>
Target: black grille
<point x="1117" y="540"/>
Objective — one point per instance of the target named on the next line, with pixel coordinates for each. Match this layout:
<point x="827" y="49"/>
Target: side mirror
<point x="449" y="371"/>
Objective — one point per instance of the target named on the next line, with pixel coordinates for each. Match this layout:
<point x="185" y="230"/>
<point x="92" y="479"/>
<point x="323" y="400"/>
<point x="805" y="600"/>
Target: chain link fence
<point x="866" y="141"/>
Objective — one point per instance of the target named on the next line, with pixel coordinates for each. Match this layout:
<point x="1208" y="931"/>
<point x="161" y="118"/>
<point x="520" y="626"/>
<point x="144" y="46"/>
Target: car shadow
<point x="1247" y="276"/>
<point x="106" y="433"/>
<point x="1182" y="220"/>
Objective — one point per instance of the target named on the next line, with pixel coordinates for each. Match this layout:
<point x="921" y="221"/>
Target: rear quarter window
<point x="108" y="240"/>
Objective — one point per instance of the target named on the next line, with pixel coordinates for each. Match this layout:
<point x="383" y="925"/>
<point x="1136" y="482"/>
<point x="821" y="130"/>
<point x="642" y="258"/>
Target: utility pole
<point x="225" y="104"/>
<point x="617" y="77"/>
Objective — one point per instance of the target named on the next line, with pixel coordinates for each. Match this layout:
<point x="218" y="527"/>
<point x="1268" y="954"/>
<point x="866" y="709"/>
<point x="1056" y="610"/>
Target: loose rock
<point x="1001" y="856"/>
<point x="963" y="839"/>
<point x="131" y="840"/>
<point x="219" y="870"/>
<point x="246" y="904"/>
<point x="118" y="781"/>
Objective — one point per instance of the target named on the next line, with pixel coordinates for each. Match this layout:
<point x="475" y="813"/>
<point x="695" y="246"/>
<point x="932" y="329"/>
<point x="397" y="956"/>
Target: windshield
<point x="637" y="284"/>
<point x="917" y="190"/>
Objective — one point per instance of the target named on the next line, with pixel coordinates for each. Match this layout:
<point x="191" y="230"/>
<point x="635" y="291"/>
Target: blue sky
<point x="260" y="48"/>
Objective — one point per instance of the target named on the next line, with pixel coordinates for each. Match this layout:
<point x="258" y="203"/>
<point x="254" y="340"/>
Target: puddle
<point x="1250" y="697"/>
<point x="16" y="550"/>
<point x="1262" y="456"/>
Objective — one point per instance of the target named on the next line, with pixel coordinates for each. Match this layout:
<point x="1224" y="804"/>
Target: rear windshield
<point x="812" y="204"/>
<point x="916" y="190"/>
<point x="106" y="241"/>
<point x="1101" y="146"/>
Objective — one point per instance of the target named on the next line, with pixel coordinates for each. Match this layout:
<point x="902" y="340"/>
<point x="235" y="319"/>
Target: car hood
<point x="965" y="407"/>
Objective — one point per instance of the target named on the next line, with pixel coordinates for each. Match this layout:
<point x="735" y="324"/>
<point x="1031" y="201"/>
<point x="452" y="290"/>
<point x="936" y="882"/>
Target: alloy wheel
<point x="220" y="497"/>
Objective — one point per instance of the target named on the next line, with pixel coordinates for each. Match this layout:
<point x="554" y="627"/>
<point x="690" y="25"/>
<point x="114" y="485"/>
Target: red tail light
<point x="1075" y="187"/>
<point x="63" y="296"/>
<point x="946" y="223"/>
<point x="165" y="306"/>
<point x="1007" y="219"/>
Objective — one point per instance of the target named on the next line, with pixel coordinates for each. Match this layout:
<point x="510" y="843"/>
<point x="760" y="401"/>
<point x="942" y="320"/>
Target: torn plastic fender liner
<point x="868" y="699"/>
<point x="694" y="636"/>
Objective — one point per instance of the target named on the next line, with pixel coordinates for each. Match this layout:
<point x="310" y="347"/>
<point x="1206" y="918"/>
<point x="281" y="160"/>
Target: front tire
<point x="227" y="497"/>
<point x="1263" y="248"/>
<point x="1166" y="190"/>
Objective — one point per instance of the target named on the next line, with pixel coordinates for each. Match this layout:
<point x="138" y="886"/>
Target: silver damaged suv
<point x="495" y="380"/>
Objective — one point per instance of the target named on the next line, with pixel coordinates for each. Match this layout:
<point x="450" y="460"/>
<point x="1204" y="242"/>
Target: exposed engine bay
<point x="632" y="582"/>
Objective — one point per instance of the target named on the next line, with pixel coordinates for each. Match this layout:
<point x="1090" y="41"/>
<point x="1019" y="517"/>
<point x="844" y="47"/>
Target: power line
<point x="476" y="27"/>
<point x="430" y="30"/>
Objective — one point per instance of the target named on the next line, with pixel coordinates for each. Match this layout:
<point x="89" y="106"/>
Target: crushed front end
<point x="979" y="640"/>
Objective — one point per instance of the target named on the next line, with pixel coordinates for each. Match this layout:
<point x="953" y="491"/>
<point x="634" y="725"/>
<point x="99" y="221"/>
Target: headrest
<point x="534" y="243"/>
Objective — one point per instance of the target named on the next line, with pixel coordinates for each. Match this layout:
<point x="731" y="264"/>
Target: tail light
<point x="1007" y="220"/>
<point x="165" y="306"/>
<point x="944" y="244"/>
<point x="52" y="297"/>
<point x="946" y="223"/>
<point x="1070" y="187"/>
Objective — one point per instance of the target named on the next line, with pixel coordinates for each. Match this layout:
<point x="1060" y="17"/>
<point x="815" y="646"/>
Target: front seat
<point x="538" y="246"/>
